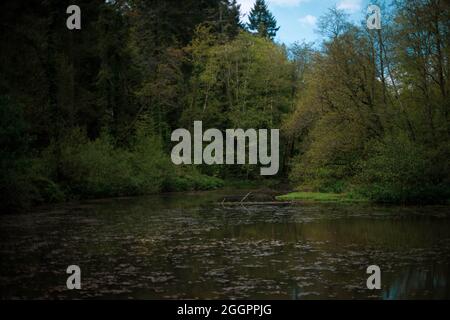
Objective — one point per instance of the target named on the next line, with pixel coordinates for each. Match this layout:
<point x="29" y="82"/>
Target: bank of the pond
<point x="350" y="198"/>
<point x="42" y="191"/>
<point x="320" y="197"/>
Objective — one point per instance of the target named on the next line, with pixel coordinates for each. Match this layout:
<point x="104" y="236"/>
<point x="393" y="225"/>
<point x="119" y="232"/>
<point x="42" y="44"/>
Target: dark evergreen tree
<point x="229" y="18"/>
<point x="262" y="21"/>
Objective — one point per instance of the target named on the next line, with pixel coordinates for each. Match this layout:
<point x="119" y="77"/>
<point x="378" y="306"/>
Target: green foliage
<point x="262" y="21"/>
<point x="99" y="169"/>
<point x="44" y="190"/>
<point x="372" y="116"/>
<point x="399" y="170"/>
<point x="189" y="179"/>
<point x="20" y="184"/>
<point x="90" y="113"/>
<point x="84" y="95"/>
<point x="244" y="83"/>
<point x="330" y="157"/>
<point x="318" y="196"/>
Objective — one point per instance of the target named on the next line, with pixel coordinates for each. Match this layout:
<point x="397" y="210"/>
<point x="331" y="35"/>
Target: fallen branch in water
<point x="246" y="197"/>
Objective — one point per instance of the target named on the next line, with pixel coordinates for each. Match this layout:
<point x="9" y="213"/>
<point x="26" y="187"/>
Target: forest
<point x="89" y="113"/>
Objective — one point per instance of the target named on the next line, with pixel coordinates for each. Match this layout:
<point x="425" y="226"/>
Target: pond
<point x="196" y="245"/>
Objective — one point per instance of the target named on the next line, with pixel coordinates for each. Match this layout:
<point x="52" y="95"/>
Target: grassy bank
<point x="320" y="197"/>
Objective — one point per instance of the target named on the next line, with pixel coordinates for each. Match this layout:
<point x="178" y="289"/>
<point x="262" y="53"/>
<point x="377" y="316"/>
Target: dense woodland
<point x="89" y="113"/>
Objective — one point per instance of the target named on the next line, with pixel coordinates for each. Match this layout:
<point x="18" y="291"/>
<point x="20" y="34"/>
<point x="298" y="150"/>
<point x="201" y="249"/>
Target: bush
<point x="325" y="178"/>
<point x="401" y="171"/>
<point x="98" y="169"/>
<point x="188" y="179"/>
<point x="46" y="191"/>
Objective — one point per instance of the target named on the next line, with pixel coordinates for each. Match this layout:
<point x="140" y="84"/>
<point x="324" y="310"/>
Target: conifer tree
<point x="262" y="21"/>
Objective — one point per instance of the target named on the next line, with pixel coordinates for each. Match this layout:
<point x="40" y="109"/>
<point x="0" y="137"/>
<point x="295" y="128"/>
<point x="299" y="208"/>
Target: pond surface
<point x="191" y="246"/>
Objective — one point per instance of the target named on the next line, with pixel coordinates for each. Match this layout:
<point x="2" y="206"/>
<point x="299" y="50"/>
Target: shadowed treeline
<point x="89" y="113"/>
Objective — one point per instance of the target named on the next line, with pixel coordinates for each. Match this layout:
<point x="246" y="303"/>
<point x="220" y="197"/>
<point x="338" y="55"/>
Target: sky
<point x="298" y="18"/>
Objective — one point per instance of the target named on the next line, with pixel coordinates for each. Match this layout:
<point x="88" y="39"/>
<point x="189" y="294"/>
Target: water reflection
<point x="420" y="283"/>
<point x="192" y="246"/>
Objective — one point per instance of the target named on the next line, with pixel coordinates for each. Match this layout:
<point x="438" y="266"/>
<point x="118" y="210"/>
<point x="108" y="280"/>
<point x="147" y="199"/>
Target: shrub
<point x="98" y="169"/>
<point x="401" y="171"/>
<point x="188" y="179"/>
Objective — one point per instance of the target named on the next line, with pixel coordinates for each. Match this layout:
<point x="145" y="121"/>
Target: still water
<point x="191" y="245"/>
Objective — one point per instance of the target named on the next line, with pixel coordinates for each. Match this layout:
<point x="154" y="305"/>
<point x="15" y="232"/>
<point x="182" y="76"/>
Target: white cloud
<point x="286" y="3"/>
<point x="350" y="6"/>
<point x="247" y="5"/>
<point x="308" y="20"/>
